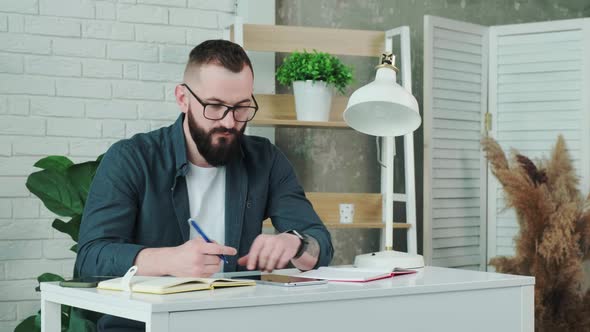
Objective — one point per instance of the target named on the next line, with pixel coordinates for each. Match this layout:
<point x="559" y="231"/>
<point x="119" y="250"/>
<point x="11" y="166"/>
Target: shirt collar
<point x="179" y="146"/>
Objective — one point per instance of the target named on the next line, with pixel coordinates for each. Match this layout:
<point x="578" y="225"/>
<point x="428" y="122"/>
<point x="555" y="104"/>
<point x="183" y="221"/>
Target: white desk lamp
<point x="384" y="108"/>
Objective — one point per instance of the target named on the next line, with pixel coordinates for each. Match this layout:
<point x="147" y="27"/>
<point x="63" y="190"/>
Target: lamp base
<point x="389" y="260"/>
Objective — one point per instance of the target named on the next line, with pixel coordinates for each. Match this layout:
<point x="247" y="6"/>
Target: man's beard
<point x="226" y="150"/>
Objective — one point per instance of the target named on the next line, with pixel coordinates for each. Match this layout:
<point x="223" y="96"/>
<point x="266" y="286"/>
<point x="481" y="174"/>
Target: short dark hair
<point x="229" y="55"/>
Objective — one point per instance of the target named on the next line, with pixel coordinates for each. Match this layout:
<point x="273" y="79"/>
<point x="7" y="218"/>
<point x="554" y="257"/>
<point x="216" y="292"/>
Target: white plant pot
<point x="313" y="100"/>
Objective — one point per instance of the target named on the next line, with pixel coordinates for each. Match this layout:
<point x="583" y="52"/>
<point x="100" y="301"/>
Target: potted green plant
<point x="63" y="187"/>
<point x="312" y="76"/>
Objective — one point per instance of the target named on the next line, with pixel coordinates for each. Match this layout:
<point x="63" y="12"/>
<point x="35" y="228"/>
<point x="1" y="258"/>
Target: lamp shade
<point x="383" y="107"/>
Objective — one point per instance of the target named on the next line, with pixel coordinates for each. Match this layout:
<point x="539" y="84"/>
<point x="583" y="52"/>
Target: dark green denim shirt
<point x="139" y="199"/>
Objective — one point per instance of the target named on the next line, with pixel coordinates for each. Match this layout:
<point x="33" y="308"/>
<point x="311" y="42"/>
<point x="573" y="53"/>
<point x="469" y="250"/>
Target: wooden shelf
<point x="296" y="123"/>
<point x="279" y="110"/>
<point x="284" y="38"/>
<point x="363" y="225"/>
<point x="367" y="208"/>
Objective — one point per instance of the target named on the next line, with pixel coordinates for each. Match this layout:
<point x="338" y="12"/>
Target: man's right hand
<point x="194" y="258"/>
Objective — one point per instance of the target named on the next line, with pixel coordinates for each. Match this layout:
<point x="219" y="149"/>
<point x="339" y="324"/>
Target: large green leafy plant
<point x="316" y="66"/>
<point x="63" y="188"/>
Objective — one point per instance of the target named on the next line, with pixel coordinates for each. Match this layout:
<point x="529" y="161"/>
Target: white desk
<point x="435" y="299"/>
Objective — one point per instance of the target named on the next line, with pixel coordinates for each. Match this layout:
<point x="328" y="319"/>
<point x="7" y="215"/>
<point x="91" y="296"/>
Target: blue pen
<point x="205" y="237"/>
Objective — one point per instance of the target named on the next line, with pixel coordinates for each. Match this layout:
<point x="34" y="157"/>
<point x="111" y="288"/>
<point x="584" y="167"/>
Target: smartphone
<point x="84" y="282"/>
<point x="288" y="281"/>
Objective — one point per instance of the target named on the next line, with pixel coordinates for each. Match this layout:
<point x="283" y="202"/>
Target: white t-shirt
<point x="206" y="195"/>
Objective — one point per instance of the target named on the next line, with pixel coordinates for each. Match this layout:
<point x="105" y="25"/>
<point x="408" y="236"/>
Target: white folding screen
<point x="535" y="86"/>
<point x="539" y="86"/>
<point x="455" y="87"/>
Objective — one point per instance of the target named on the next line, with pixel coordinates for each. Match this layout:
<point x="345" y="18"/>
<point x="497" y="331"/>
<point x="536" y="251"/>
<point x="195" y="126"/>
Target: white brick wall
<point x="3" y="23"/>
<point x="75" y="77"/>
<point x="26" y="208"/>
<point x="67" y="8"/>
<point x="5" y="208"/>
<point x="39" y="146"/>
<point x="7" y="311"/>
<point x="17" y="105"/>
<point x="10" y="63"/>
<point x="25" y="308"/>
<point x="23" y="43"/>
<point x="108" y="30"/>
<point x="52" y="26"/>
<point x="54" y="66"/>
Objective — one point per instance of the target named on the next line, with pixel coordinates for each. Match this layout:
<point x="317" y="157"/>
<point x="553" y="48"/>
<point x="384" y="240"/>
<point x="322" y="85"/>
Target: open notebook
<point x="351" y="274"/>
<point x="169" y="285"/>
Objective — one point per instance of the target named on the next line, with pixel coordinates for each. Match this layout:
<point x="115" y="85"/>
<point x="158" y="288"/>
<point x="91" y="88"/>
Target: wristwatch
<point x="302" y="245"/>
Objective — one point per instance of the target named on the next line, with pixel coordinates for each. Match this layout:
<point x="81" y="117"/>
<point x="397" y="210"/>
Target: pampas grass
<point x="554" y="236"/>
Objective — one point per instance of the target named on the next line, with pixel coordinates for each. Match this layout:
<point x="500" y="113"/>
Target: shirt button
<point x="248" y="204"/>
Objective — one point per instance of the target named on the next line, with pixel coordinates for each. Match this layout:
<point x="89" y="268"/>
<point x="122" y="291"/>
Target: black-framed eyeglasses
<point x="219" y="111"/>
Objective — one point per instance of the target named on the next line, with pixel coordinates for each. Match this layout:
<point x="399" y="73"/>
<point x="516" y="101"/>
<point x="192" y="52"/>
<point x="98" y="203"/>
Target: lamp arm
<point x="379" y="152"/>
<point x="388" y="147"/>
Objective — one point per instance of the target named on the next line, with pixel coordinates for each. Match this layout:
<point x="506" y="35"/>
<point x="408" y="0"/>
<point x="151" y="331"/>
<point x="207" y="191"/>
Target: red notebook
<point x="352" y="274"/>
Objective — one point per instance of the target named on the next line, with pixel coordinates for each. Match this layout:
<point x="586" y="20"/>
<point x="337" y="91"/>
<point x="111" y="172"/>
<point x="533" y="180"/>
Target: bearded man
<point x="203" y="167"/>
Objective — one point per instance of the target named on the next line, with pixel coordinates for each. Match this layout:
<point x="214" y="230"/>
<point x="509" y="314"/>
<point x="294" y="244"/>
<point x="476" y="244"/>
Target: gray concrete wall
<point x="343" y="160"/>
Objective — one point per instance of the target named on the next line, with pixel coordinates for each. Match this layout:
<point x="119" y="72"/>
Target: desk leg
<point x="50" y="316"/>
<point x="158" y="322"/>
<point x="528" y="308"/>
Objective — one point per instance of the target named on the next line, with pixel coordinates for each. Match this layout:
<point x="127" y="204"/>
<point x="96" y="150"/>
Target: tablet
<point x="286" y="281"/>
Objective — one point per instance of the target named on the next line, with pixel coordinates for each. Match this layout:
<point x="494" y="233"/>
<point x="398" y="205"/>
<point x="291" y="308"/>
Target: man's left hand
<point x="269" y="252"/>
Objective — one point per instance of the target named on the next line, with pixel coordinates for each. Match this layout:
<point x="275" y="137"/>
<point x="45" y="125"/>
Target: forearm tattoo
<point x="313" y="247"/>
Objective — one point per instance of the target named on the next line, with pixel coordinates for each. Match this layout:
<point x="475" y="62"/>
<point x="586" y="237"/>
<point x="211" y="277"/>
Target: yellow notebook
<point x="169" y="285"/>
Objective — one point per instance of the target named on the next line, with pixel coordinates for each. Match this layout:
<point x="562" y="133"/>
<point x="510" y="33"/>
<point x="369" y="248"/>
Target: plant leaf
<point x="78" y="323"/>
<point x="27" y="325"/>
<point x="47" y="277"/>
<point x="66" y="314"/>
<point x="72" y="227"/>
<point x="55" y="163"/>
<point x="81" y="175"/>
<point x="38" y="321"/>
<point x="56" y="192"/>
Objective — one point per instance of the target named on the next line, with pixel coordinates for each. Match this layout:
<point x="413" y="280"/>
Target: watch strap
<point x="302" y="245"/>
